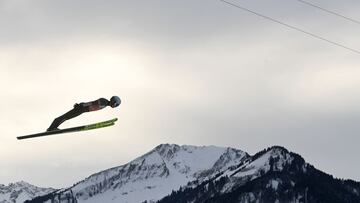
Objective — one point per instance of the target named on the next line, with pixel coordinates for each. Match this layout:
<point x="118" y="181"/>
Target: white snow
<point x="167" y="168"/>
<point x="155" y="174"/>
<point x="253" y="168"/>
<point x="262" y="163"/>
<point x="20" y="192"/>
<point x="274" y="184"/>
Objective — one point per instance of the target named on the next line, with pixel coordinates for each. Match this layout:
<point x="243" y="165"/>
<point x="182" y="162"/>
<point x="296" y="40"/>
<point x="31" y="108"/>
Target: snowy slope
<point x="20" y="192"/>
<point x="272" y="175"/>
<point x="273" y="159"/>
<point x="156" y="174"/>
<point x="177" y="174"/>
<point x="262" y="164"/>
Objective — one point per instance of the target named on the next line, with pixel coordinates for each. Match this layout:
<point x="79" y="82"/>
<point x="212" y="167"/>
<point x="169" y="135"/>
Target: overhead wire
<point x="329" y="11"/>
<point x="292" y="27"/>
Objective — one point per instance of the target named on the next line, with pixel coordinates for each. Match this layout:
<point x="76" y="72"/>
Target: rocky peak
<point x="167" y="151"/>
<point x="21" y="191"/>
<point x="230" y="157"/>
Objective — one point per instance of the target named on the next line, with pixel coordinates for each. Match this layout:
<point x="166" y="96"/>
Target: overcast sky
<point x="188" y="72"/>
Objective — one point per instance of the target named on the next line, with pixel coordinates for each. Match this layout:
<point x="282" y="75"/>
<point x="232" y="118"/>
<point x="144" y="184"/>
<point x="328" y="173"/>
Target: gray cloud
<point x="188" y="72"/>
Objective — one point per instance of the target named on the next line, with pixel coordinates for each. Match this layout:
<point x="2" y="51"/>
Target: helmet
<point x="115" y="101"/>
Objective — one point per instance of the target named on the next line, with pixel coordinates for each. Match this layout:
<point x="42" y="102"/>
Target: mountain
<point x="153" y="175"/>
<point x="272" y="175"/>
<point x="173" y="173"/>
<point x="20" y="192"/>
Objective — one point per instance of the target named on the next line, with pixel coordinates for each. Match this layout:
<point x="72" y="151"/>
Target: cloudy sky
<point x="188" y="72"/>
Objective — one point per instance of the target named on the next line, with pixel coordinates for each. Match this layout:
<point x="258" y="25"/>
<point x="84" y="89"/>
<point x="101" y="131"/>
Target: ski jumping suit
<point x="78" y="110"/>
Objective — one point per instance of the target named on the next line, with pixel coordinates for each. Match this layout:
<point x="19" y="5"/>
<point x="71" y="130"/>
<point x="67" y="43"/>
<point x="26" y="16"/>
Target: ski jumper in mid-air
<point x="83" y="107"/>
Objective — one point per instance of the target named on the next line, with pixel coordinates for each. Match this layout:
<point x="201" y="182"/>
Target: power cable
<point x="328" y="11"/>
<point x="293" y="27"/>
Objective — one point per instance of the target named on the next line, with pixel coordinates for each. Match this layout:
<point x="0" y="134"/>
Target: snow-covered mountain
<point x="173" y="173"/>
<point x="155" y="174"/>
<point x="272" y="175"/>
<point x="20" y="192"/>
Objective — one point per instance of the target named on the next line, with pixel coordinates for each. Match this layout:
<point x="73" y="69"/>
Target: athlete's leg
<point x="69" y="115"/>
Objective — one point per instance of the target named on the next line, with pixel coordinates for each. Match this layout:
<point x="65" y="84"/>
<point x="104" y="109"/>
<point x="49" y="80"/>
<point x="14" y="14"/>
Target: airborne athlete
<point x="84" y="107"/>
<point x="76" y="111"/>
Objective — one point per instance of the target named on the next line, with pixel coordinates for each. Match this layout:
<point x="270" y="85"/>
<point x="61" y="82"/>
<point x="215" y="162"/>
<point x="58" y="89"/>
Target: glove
<point x="76" y="106"/>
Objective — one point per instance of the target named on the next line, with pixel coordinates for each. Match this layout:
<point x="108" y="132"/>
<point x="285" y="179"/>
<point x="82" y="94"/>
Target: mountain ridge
<point x="280" y="180"/>
<point x="21" y="191"/>
<point x="186" y="173"/>
<point x="156" y="173"/>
